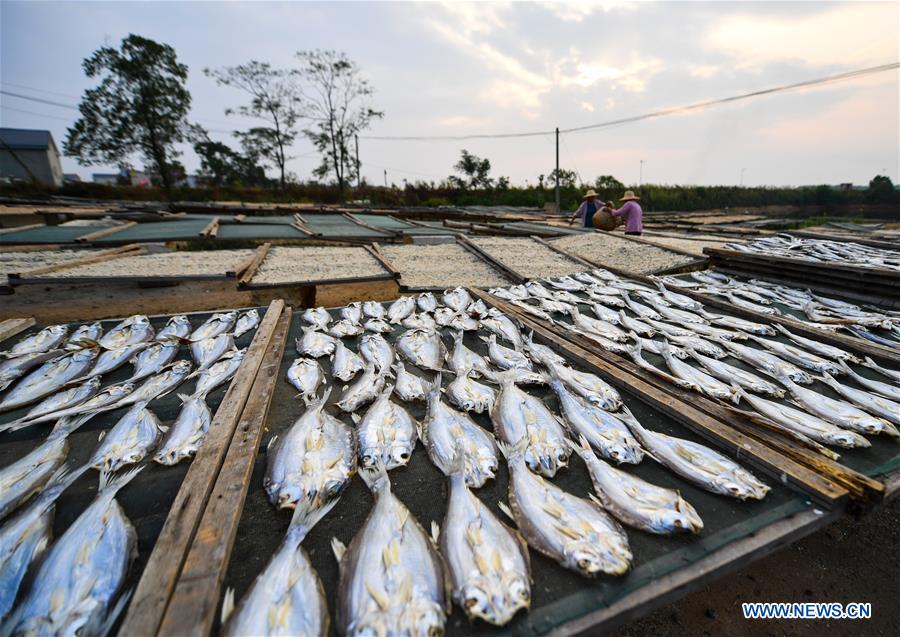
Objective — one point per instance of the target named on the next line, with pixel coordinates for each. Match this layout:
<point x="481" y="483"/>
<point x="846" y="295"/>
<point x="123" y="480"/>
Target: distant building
<point x="110" y="179"/>
<point x="30" y="154"/>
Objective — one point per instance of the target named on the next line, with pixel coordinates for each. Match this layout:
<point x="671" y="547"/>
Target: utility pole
<point x="641" y="175"/>
<point x="385" y="177"/>
<point x="558" y="209"/>
<point x="742" y="176"/>
<point x="358" y="178"/>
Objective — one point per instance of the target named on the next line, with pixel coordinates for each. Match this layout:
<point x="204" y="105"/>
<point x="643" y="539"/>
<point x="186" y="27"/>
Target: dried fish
<point x="379" y="326"/>
<point x="64" y="399"/>
<point x="766" y="362"/>
<point x="106" y="397"/>
<point x="14" y="368"/>
<point x="376" y="350"/>
<point x="363" y="391"/>
<point x="85" y="336"/>
<point x="392" y="579"/>
<point x="408" y="386"/>
<point x="427" y="302"/>
<point x="591" y="387"/>
<point x="708" y="385"/>
<point x="159" y="384"/>
<point x="176" y="328"/>
<point x="318" y="317"/>
<point x="112" y="359"/>
<point x="152" y="358"/>
<point x="470" y="395"/>
<point x="457" y="299"/>
<point x="315" y="344"/>
<point x="346" y="363"/>
<point x="352" y="312"/>
<point x="731" y="374"/>
<point x="798" y="356"/>
<point x="306" y="376"/>
<point x="462" y="358"/>
<point x="419" y="321"/>
<point x="501" y="325"/>
<point x="209" y="350"/>
<point x="422" y="347"/>
<point x="387" y="434"/>
<point x="874" y="404"/>
<point x="186" y="433"/>
<point x="28" y="475"/>
<point x="247" y="321"/>
<point x="345" y="328"/>
<point x="373" y="309"/>
<point x="401" y="308"/>
<point x="129" y="441"/>
<point x="219" y="372"/>
<point x="47" y="339"/>
<point x="214" y="326"/>
<point x="49" y="377"/>
<point x="504" y="357"/>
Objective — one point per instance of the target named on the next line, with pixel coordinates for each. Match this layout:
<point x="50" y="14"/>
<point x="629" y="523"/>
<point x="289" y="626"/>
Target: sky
<point x="472" y="68"/>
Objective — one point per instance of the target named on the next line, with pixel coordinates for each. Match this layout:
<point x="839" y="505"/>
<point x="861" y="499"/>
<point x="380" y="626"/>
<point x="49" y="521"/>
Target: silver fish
<point x="134" y="329"/>
<point x="678" y="300"/>
<point x="392" y="580"/>
<point x="501" y="325"/>
<point x="743" y="325"/>
<point x="541" y="353"/>
<point x="376" y="350"/>
<point x="214" y="325"/>
<point x="219" y="372"/>
<point x="554" y="306"/>
<point x="423" y="348"/>
<point x="655" y="346"/>
<point x="363" y="391"/>
<point x="708" y="385"/>
<point x="567" y="297"/>
<point x="85" y="336"/>
<point x="463" y="322"/>
<point x="470" y="395"/>
<point x="247" y="321"/>
<point x="519" y="416"/>
<point x="823" y="349"/>
<point x="12" y="369"/>
<point x="598" y="327"/>
<point x="311" y="463"/>
<point x="640" y="309"/>
<point x="457" y="299"/>
<point x="209" y="350"/>
<point x="49" y="377"/>
<point x="889" y="373"/>
<point x="112" y="359"/>
<point x="634" y="325"/>
<point x="176" y="328"/>
<point x="153" y="358"/>
<point x="186" y="433"/>
<point x="306" y="376"/>
<point x="696" y="463"/>
<point x="731" y="374"/>
<point x="606" y="297"/>
<point x="634" y="351"/>
<point x="427" y="302"/>
<point x="566" y="283"/>
<point x="129" y="441"/>
<point x="318" y="317"/>
<point x="589" y="386"/>
<point x="352" y="312"/>
<point x="878" y="405"/>
<point x="408" y="386"/>
<point x="587" y="277"/>
<point x="766" y="362"/>
<point x="748" y="305"/>
<point x="64" y="399"/>
<point x="25" y="537"/>
<point x="28" y="475"/>
<point x="344" y="328"/>
<point x="158" y="384"/>
<point x="450" y="436"/>
<point x="315" y="344"/>
<point x="83" y="572"/>
<point x="346" y="363"/>
<point x="573" y="531"/>
<point x="47" y="339"/>
<point x="387" y="434"/>
<point x="487" y="561"/>
<point x="798" y="356"/>
<point x="462" y="358"/>
<point x="837" y="412"/>
<point x="636" y="502"/>
<point x="538" y="291"/>
<point x="604" y="431"/>
<point x="378" y="325"/>
<point x="106" y="397"/>
<point x="534" y="311"/>
<point x="804" y="423"/>
<point x="477" y="309"/>
<point x="401" y="308"/>
<point x="504" y="357"/>
<point x="443" y="316"/>
<point x="715" y="332"/>
<point x="682" y="317"/>
<point x="419" y="321"/>
<point x="287" y="598"/>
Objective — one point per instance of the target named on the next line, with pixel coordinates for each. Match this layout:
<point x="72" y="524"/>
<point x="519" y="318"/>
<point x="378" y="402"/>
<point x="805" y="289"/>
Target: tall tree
<point x="274" y="98"/>
<point x="220" y="164"/>
<point x="474" y="170"/>
<point x="140" y="106"/>
<point x="338" y="101"/>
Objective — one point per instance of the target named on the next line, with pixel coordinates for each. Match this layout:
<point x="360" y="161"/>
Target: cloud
<point x="855" y="34"/>
<point x="578" y="10"/>
<point x="587" y="106"/>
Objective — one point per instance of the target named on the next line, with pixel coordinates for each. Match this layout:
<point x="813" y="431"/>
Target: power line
<point x="19" y="110"/>
<point x="39" y="90"/>
<point x="662" y="113"/>
<point x="37" y="99"/>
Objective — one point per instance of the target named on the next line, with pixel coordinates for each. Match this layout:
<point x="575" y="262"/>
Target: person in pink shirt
<point x="631" y="211"/>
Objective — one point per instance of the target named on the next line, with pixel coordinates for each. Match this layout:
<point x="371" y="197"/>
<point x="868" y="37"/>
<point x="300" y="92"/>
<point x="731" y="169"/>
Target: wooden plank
<point x="13" y="326"/>
<point x="484" y="255"/>
<point x="360" y="222"/>
<point x="246" y="274"/>
<point x="633" y="380"/>
<point x="105" y="232"/>
<point x="383" y="260"/>
<point x="302" y="228"/>
<point x="153" y="592"/>
<point x="197" y="593"/>
<point x="693" y="266"/>
<point x="30" y="226"/>
<point x="240" y="218"/>
<point x="130" y="250"/>
<point x="211" y="229"/>
<point x="387" y="276"/>
<point x="666" y="589"/>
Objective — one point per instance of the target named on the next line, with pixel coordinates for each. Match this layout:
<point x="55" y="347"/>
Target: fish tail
<point x="227" y="606"/>
<point x="112" y="483"/>
<point x="111" y="617"/>
<point x="61" y="480"/>
<point x="513" y="452"/>
<point x="304" y="519"/>
<point x="67" y="425"/>
<point x="376" y="478"/>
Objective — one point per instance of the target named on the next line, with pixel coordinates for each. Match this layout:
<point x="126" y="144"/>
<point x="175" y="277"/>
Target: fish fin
<point x="435" y="532"/>
<point x="338" y="548"/>
<point x="376" y="478"/>
<point x="506" y="510"/>
<point x="595" y="500"/>
<point x="183" y="397"/>
<point x="304" y="520"/>
<point x="115" y="482"/>
<point x="227" y="605"/>
<point x="111" y="617"/>
<point x="355" y="417"/>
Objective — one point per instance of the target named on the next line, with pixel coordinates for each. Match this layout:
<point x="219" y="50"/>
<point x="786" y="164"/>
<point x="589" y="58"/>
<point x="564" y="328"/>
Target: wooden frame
<point x="360" y="222"/>
<point x="154" y="591"/>
<point x="383" y="260"/>
<point x="211" y="229"/>
<point x="288" y="284"/>
<point x="248" y="271"/>
<point x="129" y="250"/>
<point x="105" y="232"/>
<point x="13" y="326"/>
<point x="487" y="257"/>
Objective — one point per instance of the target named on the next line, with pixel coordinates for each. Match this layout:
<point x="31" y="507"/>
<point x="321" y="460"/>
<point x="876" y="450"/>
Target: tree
<point x="338" y="101"/>
<point x="220" y="164"/>
<point x="567" y="178"/>
<point x="881" y="188"/>
<point x="274" y="98"/>
<point x="140" y="106"/>
<point x="474" y="170"/>
<point x="608" y="182"/>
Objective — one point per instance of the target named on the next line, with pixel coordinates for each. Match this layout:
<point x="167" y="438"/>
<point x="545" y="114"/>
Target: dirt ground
<point x="852" y="560"/>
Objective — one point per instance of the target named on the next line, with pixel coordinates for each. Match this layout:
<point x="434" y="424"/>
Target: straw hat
<point x="630" y="196"/>
<point x="589" y="193"/>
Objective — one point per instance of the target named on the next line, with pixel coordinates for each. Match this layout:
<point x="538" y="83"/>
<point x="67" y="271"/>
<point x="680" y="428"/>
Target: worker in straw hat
<point x="631" y="212"/>
<point x="586" y="210"/>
